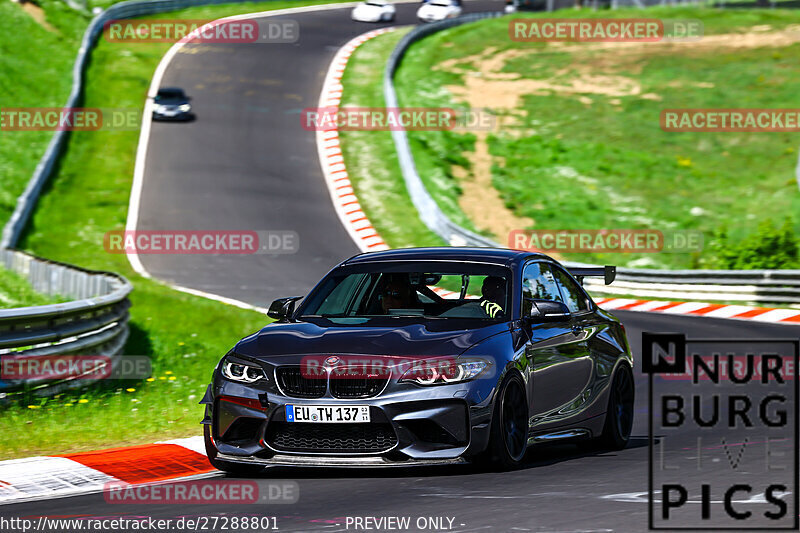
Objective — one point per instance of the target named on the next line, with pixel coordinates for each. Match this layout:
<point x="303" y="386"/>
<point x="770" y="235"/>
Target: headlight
<point x="184" y="107"/>
<point x="241" y="372"/>
<point x="443" y="372"/>
<point x="159" y="108"/>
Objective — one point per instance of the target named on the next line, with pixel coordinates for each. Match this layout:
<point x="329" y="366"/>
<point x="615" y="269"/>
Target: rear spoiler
<point x="608" y="272"/>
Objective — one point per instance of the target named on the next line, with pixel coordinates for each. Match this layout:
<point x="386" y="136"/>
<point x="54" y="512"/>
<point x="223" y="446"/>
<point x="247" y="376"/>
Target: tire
<point x="508" y="436"/>
<point x="619" y="416"/>
<point x="231" y="468"/>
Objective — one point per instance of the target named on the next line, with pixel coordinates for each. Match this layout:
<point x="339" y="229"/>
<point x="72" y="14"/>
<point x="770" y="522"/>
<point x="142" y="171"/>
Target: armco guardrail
<point x="429" y="211"/>
<point x="94" y="322"/>
<point x="752" y="286"/>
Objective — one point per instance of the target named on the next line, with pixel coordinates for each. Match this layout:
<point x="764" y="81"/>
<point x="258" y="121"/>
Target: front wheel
<point x="508" y="437"/>
<point x="230" y="468"/>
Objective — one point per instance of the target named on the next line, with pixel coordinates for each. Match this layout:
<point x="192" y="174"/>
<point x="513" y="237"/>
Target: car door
<point x="585" y="327"/>
<point x="557" y="351"/>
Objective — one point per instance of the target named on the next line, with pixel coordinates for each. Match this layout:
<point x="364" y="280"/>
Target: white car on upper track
<point x="439" y="10"/>
<point x="373" y="11"/>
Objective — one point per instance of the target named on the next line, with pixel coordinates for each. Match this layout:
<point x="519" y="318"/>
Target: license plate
<point x="327" y="413"/>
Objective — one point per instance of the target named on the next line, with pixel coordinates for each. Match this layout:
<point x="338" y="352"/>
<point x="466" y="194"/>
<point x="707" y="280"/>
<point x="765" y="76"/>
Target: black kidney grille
<point x="356" y="387"/>
<point x="294" y="383"/>
<point x="330" y="438"/>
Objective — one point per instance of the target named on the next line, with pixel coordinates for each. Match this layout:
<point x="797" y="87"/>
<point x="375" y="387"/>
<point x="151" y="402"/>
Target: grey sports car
<point x="424" y="355"/>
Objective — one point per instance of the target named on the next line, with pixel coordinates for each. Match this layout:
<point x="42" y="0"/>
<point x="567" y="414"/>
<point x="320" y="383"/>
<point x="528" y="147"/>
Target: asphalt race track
<point x="560" y="489"/>
<point x="245" y="163"/>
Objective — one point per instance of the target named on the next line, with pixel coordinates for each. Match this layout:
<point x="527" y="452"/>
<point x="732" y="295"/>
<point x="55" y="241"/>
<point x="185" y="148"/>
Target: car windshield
<point x="378" y="4"/>
<point x="441" y="3"/>
<point x="471" y="292"/>
<point x="169" y="94"/>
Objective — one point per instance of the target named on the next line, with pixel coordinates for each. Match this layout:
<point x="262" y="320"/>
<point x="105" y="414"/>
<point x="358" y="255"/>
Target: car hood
<point x="288" y="341"/>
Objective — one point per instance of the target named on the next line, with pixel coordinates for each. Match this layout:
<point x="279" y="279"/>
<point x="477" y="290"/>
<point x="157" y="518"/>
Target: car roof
<point x="171" y="90"/>
<point x="497" y="256"/>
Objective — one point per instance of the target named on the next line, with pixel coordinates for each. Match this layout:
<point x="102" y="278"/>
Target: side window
<point x="574" y="297"/>
<point x="537" y="284"/>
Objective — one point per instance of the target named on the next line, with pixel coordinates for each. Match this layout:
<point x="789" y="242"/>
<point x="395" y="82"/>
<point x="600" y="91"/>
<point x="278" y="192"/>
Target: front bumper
<point x="177" y="116"/>
<point x="419" y="425"/>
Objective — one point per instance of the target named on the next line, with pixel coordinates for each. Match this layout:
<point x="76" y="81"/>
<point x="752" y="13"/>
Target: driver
<point x="493" y="293"/>
<point x="397" y="293"/>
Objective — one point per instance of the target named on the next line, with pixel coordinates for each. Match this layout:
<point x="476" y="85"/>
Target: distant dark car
<point x="421" y="356"/>
<point x="513" y="6"/>
<point x="171" y="103"/>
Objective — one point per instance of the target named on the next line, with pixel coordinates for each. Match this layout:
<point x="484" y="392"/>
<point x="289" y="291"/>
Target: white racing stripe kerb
<point x="775" y="315"/>
<point x="344" y="200"/>
<point x="196" y="444"/>
<point x="37" y="478"/>
<point x="685" y="308"/>
<point x="647" y="306"/>
<point x="734" y="312"/>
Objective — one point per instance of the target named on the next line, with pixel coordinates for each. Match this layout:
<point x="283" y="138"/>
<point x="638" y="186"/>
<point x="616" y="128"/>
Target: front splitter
<point x="331" y="461"/>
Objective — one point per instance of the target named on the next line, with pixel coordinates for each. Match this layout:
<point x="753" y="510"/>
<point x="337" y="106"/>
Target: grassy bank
<point x="579" y="143"/>
<point x="182" y="334"/>
<point x="36" y="62"/>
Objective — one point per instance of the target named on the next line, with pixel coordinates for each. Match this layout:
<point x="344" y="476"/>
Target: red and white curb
<point x="736" y="312"/>
<point x="345" y="203"/>
<point x="41" y="478"/>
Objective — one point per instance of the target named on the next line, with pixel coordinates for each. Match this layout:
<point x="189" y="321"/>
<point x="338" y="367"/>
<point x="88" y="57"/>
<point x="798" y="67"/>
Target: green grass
<point x="37" y="71"/>
<point x="16" y="291"/>
<point x="566" y="164"/>
<point x="184" y="335"/>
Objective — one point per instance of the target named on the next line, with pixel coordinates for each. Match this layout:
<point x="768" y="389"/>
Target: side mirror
<point x="282" y="308"/>
<point x="548" y="311"/>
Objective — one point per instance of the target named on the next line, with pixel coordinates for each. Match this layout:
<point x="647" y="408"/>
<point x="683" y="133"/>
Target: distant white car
<point x="373" y="11"/>
<point x="438" y="10"/>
